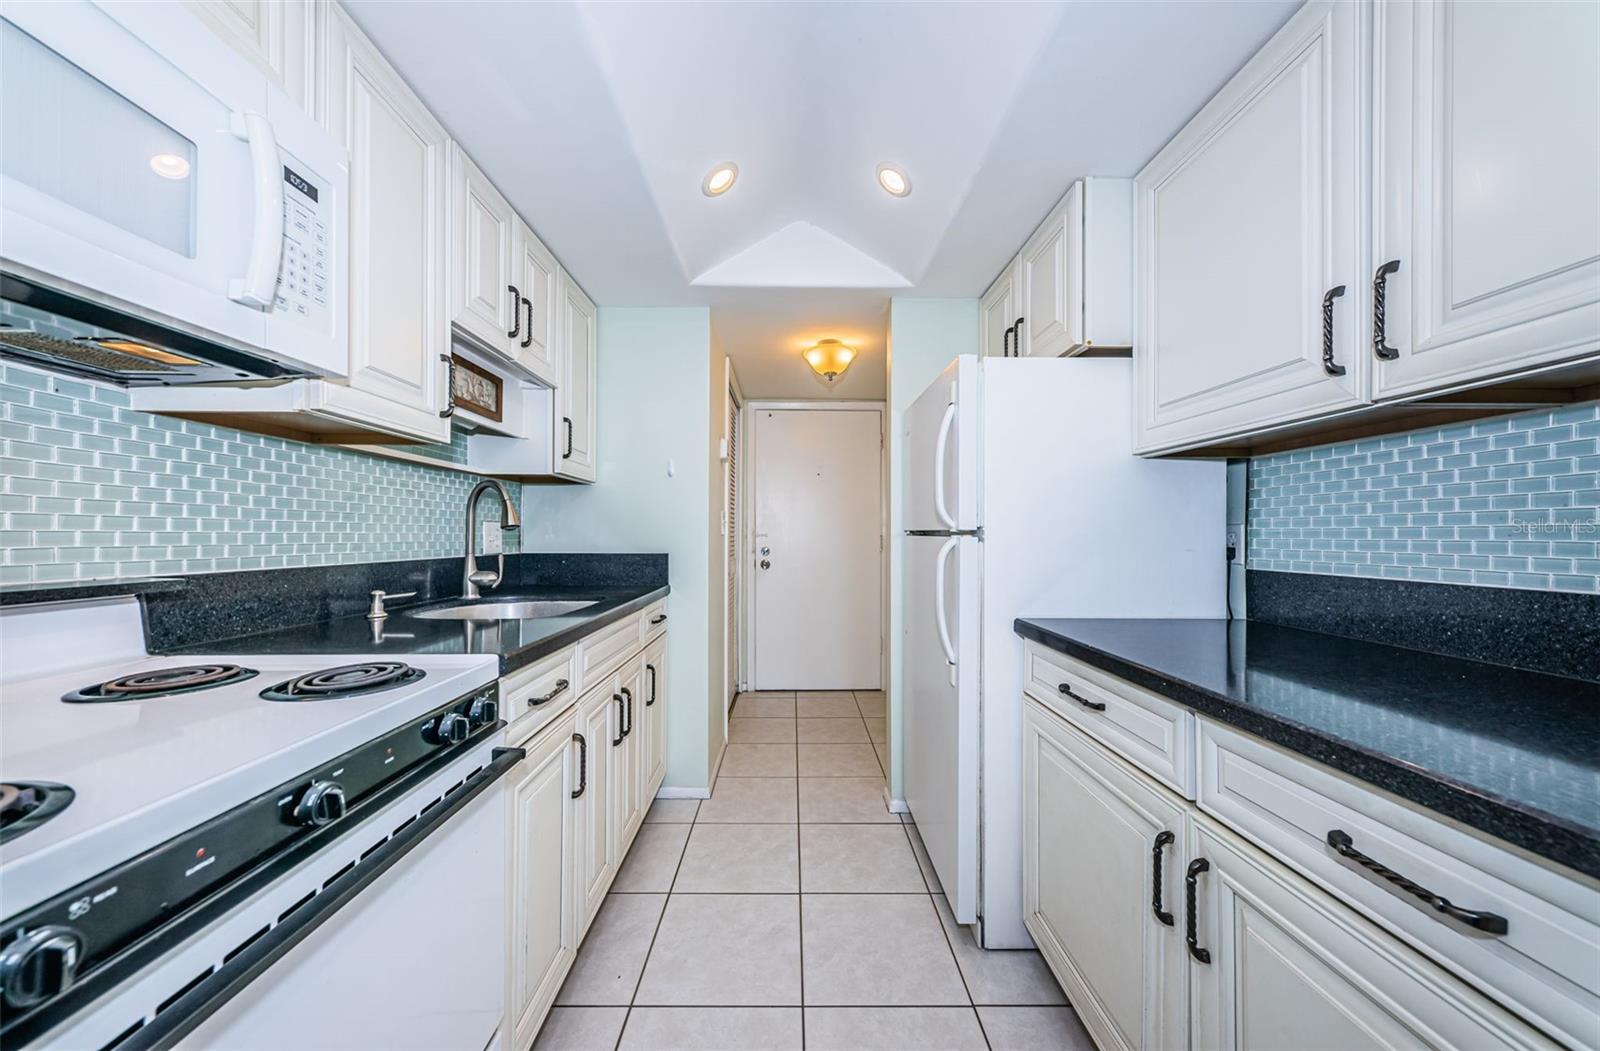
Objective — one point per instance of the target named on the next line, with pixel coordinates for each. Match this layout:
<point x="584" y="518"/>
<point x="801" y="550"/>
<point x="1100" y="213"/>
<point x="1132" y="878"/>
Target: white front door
<point x="817" y="560"/>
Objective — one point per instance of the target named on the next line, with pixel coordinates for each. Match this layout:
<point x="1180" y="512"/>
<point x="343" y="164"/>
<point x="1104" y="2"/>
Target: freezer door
<point x="940" y="707"/>
<point x="941" y="435"/>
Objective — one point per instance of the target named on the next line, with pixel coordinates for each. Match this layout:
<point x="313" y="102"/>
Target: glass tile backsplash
<point x="93" y="489"/>
<point x="1512" y="501"/>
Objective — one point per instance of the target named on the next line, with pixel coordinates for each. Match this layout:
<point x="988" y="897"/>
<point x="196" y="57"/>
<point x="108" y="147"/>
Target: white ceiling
<point x="598" y="122"/>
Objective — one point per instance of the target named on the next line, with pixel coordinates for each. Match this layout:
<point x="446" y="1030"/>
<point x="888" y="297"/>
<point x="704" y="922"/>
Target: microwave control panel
<point x="305" y="272"/>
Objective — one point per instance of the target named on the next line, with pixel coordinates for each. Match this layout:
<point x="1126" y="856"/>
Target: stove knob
<point x="452" y="728"/>
<point x="39" y="964"/>
<point x="485" y="709"/>
<point x="322" y="804"/>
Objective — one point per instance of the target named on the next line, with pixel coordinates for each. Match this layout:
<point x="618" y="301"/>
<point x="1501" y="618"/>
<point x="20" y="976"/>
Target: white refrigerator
<point x="1023" y="498"/>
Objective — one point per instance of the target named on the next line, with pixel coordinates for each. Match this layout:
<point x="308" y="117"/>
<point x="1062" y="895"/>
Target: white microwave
<point x="145" y="166"/>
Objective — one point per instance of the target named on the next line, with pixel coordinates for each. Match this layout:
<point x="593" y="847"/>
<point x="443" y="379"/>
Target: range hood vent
<point x="68" y="333"/>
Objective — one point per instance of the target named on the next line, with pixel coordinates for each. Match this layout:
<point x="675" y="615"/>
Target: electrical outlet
<point x="493" y="543"/>
<point x="1235" y="543"/>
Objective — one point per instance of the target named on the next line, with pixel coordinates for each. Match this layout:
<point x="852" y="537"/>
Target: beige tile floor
<point x="791" y="910"/>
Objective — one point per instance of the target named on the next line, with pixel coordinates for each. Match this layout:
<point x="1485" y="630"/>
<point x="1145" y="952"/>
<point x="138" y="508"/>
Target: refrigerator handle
<point x="938" y="470"/>
<point x="939" y="615"/>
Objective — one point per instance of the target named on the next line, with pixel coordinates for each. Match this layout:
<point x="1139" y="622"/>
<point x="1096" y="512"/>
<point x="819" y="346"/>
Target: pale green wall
<point x="653" y="475"/>
<point x="925" y="335"/>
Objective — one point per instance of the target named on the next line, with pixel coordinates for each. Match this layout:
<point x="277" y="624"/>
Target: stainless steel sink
<point x="511" y="610"/>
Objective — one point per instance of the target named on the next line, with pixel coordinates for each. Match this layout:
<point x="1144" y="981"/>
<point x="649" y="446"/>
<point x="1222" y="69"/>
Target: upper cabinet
<point x="1070" y="289"/>
<point x="1391" y="201"/>
<point x="279" y="36"/>
<point x="1487" y="193"/>
<point x="537" y="350"/>
<point x="1249" y="221"/>
<point x="575" y="423"/>
<point x="485" y="297"/>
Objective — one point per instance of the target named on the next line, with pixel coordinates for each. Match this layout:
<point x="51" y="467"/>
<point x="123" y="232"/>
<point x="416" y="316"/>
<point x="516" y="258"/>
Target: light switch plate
<point x="492" y="540"/>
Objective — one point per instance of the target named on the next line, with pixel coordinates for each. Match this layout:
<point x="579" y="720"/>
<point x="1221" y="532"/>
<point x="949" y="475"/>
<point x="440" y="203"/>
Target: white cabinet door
<point x="536" y="349"/>
<point x="543" y="941"/>
<point x="1246" y="221"/>
<point x="999" y="314"/>
<point x="1487" y="189"/>
<point x="593" y="860"/>
<point x="485" y="298"/>
<point x="1286" y="966"/>
<point x="279" y="36"/>
<point x="1093" y="832"/>
<point x="653" y="721"/>
<point x="627" y="774"/>
<point x="399" y="325"/>
<point x="575" y="398"/>
<point x="1051" y="312"/>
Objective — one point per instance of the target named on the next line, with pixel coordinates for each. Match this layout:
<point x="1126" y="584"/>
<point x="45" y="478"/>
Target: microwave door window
<point x="72" y="138"/>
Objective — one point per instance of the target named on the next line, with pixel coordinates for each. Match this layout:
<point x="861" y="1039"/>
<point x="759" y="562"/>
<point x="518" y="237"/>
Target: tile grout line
<point x="799" y="877"/>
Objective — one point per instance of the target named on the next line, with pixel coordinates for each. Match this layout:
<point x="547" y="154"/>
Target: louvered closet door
<point x="733" y="545"/>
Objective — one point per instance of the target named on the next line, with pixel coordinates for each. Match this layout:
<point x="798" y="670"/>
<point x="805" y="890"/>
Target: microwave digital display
<point x="299" y="183"/>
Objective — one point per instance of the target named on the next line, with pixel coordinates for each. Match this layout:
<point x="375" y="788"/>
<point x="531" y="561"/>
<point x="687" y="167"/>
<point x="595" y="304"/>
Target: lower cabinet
<point x="1216" y="944"/>
<point x="594" y="859"/>
<point x="576" y="802"/>
<point x="544" y="937"/>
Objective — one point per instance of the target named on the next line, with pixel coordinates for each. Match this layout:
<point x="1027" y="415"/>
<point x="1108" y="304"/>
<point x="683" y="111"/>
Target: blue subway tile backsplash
<point x="1512" y="501"/>
<point x="93" y="489"/>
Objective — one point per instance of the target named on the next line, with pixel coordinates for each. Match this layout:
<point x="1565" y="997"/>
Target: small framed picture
<point x="475" y="388"/>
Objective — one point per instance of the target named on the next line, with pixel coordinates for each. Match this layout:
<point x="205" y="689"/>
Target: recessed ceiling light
<point x="719" y="180"/>
<point x="170" y="166"/>
<point x="895" y="182"/>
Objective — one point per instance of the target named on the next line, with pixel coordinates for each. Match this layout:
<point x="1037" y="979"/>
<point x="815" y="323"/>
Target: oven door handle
<point x="199" y="1003"/>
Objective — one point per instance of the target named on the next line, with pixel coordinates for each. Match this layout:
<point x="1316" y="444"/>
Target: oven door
<point x="146" y="165"/>
<point x="393" y="936"/>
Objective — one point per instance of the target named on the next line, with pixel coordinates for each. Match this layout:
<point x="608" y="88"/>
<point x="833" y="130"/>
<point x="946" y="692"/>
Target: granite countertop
<point x="516" y="642"/>
<point x="74" y="590"/>
<point x="1512" y="753"/>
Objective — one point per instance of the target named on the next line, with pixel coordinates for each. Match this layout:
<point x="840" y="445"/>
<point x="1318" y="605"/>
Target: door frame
<point x="736" y="404"/>
<point x="747" y="540"/>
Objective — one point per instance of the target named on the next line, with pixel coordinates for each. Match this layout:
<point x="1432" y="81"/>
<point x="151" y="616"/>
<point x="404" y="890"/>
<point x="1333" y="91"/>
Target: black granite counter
<point x="1515" y="754"/>
<point x="516" y="642"/>
<point x="76" y="590"/>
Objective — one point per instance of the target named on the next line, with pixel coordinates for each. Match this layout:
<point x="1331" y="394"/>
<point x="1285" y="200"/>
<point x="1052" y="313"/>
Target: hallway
<point x="791" y="909"/>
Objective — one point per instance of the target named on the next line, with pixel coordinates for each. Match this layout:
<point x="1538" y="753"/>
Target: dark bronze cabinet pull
<point x="450" y="387"/>
<point x="1005" y="343"/>
<point x="583" y="765"/>
<point x="1093" y="706"/>
<point x="1380" y="283"/>
<point x="1190" y="889"/>
<point x="1016" y="339"/>
<point x="651" y="668"/>
<point x="516" y="312"/>
<point x="568" y="421"/>
<point x="658" y="619"/>
<point x="1327" y="332"/>
<point x="1488" y="922"/>
<point x="627" y="708"/>
<point x="621" y="721"/>
<point x="1163" y="838"/>
<point x="561" y="688"/>
<point x="527" y="338"/>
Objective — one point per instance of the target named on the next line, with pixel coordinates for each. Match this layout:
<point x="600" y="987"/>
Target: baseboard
<point x="896" y="806"/>
<point x="669" y="792"/>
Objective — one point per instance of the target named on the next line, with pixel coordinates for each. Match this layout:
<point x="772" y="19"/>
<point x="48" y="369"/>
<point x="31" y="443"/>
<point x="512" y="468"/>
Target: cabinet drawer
<point x="1149" y="731"/>
<point x="1547" y="963"/>
<point x="603" y="652"/>
<point x="530" y="697"/>
<point x="653" y="621"/>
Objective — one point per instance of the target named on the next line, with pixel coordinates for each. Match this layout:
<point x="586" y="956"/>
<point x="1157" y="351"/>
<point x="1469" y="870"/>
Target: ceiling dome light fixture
<point x="719" y="180"/>
<point x="895" y="182"/>
<point x="828" y="359"/>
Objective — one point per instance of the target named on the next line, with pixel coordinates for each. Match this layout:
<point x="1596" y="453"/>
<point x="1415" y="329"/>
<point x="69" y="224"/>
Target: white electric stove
<point x="185" y="841"/>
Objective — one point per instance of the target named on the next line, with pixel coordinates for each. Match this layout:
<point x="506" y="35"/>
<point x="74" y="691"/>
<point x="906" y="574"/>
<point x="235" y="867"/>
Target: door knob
<point x="766" y="564"/>
<point x="766" y="551"/>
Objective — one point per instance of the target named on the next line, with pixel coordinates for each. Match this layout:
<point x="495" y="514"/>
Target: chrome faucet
<point x="471" y="576"/>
